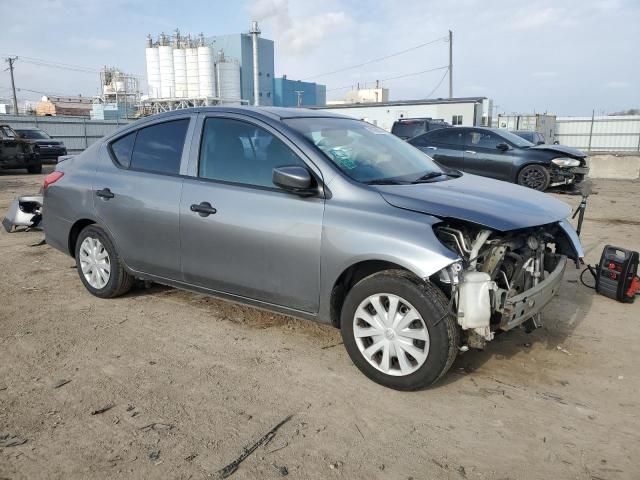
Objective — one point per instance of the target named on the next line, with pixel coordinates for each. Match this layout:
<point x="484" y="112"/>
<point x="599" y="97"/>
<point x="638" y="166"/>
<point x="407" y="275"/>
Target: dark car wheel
<point x="99" y="265"/>
<point x="34" y="168"/>
<point x="398" y="330"/>
<point x="535" y="176"/>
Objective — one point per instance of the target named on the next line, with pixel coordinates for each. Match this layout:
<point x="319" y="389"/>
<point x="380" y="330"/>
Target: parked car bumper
<point x="50" y="155"/>
<point x="568" y="176"/>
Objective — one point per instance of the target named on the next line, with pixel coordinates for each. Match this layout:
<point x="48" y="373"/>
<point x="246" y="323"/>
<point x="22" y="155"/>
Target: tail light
<point x="53" y="177"/>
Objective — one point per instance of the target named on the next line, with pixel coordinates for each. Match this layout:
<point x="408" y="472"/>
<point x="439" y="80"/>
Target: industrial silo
<point x="228" y="80"/>
<point x="167" y="82"/>
<point x="153" y="68"/>
<point x="206" y="71"/>
<point x="193" y="75"/>
<point x="180" y="71"/>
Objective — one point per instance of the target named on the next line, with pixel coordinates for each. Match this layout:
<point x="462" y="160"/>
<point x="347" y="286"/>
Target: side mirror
<point x="294" y="179"/>
<point x="502" y="146"/>
<point x="540" y="142"/>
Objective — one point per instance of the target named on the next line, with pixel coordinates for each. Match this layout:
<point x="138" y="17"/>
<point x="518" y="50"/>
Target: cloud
<point x="297" y="35"/>
<point x="617" y="84"/>
<point x="544" y="74"/>
<point x="93" y="43"/>
<point x="528" y="19"/>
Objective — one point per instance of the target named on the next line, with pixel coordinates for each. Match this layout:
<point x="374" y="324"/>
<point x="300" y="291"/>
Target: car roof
<point x="27" y="128"/>
<point x="270" y="113"/>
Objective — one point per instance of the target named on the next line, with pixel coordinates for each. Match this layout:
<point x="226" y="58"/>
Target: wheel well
<point x="75" y="231"/>
<point x="349" y="278"/>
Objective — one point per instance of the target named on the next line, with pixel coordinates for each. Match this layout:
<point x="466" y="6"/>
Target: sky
<point x="567" y="57"/>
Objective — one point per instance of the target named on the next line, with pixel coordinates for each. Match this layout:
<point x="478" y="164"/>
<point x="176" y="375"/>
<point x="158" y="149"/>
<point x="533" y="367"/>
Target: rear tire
<point x="99" y="265"/>
<point x="417" y="341"/>
<point x="34" y="168"/>
<point x="536" y="177"/>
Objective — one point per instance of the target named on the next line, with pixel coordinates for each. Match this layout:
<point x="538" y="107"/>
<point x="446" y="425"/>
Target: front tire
<point x="536" y="177"/>
<point x="398" y="330"/>
<point x="99" y="265"/>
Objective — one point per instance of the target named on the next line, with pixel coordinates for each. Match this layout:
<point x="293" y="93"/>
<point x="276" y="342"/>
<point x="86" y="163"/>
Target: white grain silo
<point x="228" y="81"/>
<point x="167" y="78"/>
<point x="180" y="72"/>
<point x="206" y="71"/>
<point x="193" y="76"/>
<point x="153" y="68"/>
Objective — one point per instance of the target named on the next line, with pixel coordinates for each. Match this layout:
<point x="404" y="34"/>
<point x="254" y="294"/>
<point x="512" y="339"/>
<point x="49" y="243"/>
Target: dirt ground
<point x="192" y="381"/>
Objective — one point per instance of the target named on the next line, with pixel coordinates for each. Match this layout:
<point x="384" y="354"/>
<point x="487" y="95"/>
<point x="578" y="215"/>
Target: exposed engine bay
<point x="504" y="279"/>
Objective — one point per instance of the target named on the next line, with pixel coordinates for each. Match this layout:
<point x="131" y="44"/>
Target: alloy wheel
<point x="391" y="334"/>
<point x="533" y="178"/>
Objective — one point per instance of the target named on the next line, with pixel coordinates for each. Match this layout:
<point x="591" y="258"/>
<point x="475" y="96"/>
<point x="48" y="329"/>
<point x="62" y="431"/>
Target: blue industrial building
<point x="286" y="94"/>
<point x="239" y="47"/>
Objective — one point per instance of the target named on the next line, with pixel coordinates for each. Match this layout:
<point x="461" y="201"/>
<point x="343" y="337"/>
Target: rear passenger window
<point x="158" y="148"/>
<point x="122" y="149"/>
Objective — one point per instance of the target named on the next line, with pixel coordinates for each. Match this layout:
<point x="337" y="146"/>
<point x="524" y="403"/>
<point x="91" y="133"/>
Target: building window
<point x="260" y="93"/>
<point x="259" y="74"/>
<point x="456" y="120"/>
<point x="268" y="94"/>
<point x="267" y="74"/>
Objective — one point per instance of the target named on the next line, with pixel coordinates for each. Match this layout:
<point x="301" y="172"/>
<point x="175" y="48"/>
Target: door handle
<point x="105" y="193"/>
<point x="470" y="151"/>
<point x="204" y="209"/>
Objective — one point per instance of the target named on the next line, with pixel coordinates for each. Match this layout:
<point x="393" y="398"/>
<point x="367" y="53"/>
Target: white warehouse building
<point x="467" y="111"/>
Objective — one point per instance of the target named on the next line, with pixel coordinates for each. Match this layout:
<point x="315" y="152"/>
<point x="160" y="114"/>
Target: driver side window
<point x="239" y="152"/>
<point x="482" y="139"/>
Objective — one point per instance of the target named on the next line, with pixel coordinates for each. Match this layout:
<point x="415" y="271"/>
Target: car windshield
<point x="515" y="139"/>
<point x="365" y="152"/>
<point x="33" y="134"/>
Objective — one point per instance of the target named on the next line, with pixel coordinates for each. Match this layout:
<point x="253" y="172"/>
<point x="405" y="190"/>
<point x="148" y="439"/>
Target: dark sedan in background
<point x="502" y="155"/>
<point x="49" y="148"/>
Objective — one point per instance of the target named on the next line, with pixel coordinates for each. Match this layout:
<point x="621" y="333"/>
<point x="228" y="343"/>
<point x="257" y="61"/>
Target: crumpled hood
<point x="495" y="204"/>
<point x="572" y="152"/>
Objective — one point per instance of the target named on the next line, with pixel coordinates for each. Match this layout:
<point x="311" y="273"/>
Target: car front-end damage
<point x="503" y="279"/>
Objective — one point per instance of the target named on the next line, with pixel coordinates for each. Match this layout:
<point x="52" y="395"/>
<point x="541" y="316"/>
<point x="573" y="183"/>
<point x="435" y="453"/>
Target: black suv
<point x="16" y="152"/>
<point x="502" y="155"/>
<point x="407" y="128"/>
<point x="49" y="148"/>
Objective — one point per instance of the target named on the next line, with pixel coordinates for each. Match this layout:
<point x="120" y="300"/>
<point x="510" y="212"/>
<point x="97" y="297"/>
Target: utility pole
<point x="450" y="64"/>
<point x="299" y="94"/>
<point x="10" y="60"/>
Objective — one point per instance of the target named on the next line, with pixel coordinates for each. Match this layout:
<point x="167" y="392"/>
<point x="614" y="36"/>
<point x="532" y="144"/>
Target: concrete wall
<point x="619" y="166"/>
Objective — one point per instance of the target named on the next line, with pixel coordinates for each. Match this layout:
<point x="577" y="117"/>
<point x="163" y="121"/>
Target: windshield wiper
<point x="431" y="175"/>
<point x="386" y="181"/>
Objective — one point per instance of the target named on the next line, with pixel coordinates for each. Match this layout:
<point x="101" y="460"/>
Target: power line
<point x="60" y="65"/>
<point x="379" y="59"/>
<point x="397" y="77"/>
<point x="438" y="85"/>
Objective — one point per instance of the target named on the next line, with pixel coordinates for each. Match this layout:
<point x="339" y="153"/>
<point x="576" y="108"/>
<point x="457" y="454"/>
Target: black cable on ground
<point x="591" y="270"/>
